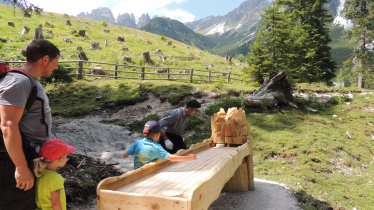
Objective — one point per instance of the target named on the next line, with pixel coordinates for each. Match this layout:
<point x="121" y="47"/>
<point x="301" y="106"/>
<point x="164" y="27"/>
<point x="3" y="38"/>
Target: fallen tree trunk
<point x="273" y="92"/>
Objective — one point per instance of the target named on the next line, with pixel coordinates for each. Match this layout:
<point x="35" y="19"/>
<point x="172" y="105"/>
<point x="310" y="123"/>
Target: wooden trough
<point x="184" y="185"/>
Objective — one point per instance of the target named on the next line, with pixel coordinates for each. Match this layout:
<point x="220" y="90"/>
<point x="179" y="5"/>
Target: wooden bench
<point x="195" y="184"/>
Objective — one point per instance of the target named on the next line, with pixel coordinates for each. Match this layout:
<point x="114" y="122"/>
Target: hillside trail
<point x="92" y="137"/>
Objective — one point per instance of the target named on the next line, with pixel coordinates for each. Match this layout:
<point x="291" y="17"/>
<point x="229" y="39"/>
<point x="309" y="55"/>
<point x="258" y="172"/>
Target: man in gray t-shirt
<point x="174" y="124"/>
<point x="23" y="130"/>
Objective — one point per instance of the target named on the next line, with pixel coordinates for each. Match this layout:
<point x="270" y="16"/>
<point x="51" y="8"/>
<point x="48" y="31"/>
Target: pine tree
<point x="313" y="17"/>
<point x="361" y="13"/>
<point x="297" y="42"/>
<point x="272" y="42"/>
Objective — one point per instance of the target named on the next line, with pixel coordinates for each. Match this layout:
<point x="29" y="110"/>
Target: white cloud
<point x="177" y="14"/>
<point x="139" y="7"/>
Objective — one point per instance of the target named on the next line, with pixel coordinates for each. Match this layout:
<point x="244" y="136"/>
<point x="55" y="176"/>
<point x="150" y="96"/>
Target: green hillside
<point x="137" y="42"/>
<point x="178" y="31"/>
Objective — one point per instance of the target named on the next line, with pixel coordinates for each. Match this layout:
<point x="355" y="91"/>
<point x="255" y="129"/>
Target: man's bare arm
<point x="10" y="118"/>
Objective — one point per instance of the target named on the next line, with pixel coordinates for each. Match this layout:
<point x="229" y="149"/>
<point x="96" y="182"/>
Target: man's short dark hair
<point x="39" y="48"/>
<point x="193" y="104"/>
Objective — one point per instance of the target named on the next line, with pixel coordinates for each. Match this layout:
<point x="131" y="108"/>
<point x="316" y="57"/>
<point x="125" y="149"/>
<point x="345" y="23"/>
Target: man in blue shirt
<point x="174" y="125"/>
<point x="148" y="149"/>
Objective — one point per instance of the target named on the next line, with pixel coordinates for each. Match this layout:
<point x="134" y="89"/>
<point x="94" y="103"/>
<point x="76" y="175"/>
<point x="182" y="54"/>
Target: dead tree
<point x="147" y="57"/>
<point x="273" y="92"/>
<point x="121" y="38"/>
<point x="82" y="55"/>
<point x="82" y="32"/>
<point x="38" y="34"/>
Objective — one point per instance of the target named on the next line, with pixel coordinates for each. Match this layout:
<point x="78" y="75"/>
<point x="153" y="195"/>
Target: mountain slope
<point x="178" y="31"/>
<point x="136" y="41"/>
<point x="234" y="29"/>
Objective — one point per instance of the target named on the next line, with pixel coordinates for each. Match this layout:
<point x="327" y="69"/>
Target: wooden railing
<point x="82" y="68"/>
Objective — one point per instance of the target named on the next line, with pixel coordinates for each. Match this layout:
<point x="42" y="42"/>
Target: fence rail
<point x="82" y="68"/>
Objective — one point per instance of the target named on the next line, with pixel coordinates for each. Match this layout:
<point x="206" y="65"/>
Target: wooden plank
<point x="155" y="182"/>
<point x="200" y="181"/>
<point x="195" y="174"/>
<point x="129" y="177"/>
<point x="124" y="201"/>
<point x="170" y="176"/>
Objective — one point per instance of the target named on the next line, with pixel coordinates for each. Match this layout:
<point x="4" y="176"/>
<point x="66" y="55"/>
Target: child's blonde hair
<point x="39" y="166"/>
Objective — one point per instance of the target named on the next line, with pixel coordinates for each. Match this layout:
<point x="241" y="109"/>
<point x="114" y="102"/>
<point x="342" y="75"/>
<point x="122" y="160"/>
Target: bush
<point x="61" y="75"/>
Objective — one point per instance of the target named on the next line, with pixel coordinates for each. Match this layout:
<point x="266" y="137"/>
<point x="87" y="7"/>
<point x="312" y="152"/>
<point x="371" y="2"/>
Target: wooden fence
<point x="82" y="68"/>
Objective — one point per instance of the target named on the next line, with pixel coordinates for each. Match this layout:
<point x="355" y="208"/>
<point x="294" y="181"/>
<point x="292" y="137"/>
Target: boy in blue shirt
<point x="148" y="149"/>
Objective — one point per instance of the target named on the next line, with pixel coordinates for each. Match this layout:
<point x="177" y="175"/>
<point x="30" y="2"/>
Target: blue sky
<point x="182" y="10"/>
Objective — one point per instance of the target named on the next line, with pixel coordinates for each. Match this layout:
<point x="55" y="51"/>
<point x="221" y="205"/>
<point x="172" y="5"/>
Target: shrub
<point x="61" y="75"/>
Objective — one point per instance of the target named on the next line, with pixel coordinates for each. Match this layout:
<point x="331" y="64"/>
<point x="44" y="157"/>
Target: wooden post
<point x="168" y="72"/>
<point x="209" y="76"/>
<point x="360" y="79"/>
<point x="228" y="77"/>
<point x="80" y="69"/>
<point x="116" y="71"/>
<point x="240" y="181"/>
<point x="143" y="73"/>
<point x="191" y="74"/>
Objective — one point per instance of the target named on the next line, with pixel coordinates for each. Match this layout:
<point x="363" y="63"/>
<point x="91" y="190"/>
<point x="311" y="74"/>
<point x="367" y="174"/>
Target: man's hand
<point x="169" y="144"/>
<point x="24" y="178"/>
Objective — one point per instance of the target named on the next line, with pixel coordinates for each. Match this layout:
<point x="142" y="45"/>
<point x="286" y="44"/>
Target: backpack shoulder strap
<point x="34" y="88"/>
